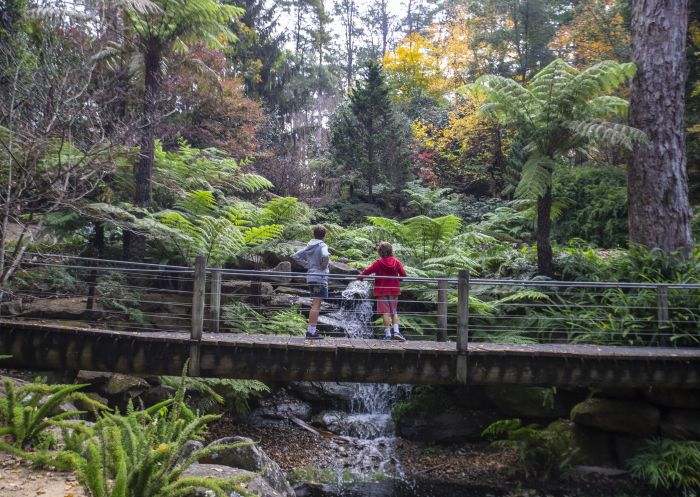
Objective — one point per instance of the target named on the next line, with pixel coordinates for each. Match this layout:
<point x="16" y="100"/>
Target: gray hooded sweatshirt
<point x="314" y="257"/>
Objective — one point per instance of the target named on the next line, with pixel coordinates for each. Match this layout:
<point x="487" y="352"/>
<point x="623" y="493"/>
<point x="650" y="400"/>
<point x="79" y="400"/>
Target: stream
<point x="366" y="464"/>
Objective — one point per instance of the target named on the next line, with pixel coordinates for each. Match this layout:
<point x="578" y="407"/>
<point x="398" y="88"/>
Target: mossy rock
<point x="619" y="416"/>
<point x="593" y="447"/>
<point x="533" y="402"/>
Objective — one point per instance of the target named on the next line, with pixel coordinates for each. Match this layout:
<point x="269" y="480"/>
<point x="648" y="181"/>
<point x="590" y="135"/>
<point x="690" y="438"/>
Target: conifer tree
<point x="366" y="136"/>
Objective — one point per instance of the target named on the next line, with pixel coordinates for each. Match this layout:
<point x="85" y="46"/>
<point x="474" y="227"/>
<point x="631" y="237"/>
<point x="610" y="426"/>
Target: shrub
<point x="540" y="452"/>
<point x="27" y="411"/>
<point x="669" y="465"/>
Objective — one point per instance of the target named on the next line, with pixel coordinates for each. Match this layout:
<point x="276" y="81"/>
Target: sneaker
<point x="398" y="336"/>
<point x="387" y="338"/>
<point x="313" y="336"/>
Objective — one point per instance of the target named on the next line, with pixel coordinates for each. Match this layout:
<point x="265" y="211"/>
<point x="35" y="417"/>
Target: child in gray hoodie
<point x="314" y="257"/>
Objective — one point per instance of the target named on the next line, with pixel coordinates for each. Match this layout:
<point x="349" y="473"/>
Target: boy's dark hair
<point x="385" y="249"/>
<point x="319" y="232"/>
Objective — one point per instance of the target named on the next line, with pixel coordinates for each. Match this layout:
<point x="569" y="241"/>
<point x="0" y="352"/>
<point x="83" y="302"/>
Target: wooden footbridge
<point x="112" y="343"/>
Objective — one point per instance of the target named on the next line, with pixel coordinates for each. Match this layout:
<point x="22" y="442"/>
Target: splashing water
<point x="356" y="310"/>
<point x="369" y="423"/>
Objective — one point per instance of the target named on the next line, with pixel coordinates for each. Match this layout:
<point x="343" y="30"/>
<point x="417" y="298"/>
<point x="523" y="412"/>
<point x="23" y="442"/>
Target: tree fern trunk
<point x="659" y="213"/>
<point x="135" y="243"/>
<point x="545" y="266"/>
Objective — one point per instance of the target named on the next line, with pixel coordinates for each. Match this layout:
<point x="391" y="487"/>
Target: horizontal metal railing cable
<point x="149" y="297"/>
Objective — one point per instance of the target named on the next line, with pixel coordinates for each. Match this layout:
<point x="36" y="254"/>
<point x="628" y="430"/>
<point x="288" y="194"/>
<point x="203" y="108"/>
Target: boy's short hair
<point x="385" y="249"/>
<point x="319" y="232"/>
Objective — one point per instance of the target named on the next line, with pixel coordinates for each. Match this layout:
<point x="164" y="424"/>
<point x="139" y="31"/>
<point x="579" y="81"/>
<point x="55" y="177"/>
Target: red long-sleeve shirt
<point x="386" y="266"/>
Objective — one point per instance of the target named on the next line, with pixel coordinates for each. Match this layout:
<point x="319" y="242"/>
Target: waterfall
<point x="369" y="423"/>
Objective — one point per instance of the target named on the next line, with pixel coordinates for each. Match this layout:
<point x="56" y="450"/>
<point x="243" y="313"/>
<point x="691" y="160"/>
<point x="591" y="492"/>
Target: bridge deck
<point x="287" y="358"/>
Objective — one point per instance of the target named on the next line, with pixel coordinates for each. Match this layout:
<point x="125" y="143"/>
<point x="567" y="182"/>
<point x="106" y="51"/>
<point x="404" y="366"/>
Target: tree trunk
<point x="657" y="185"/>
<point x="135" y="243"/>
<point x="545" y="266"/>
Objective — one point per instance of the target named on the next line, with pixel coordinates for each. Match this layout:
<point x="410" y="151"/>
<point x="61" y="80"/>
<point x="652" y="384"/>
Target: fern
<point x="669" y="465"/>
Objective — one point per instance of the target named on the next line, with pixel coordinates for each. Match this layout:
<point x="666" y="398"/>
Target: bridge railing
<point x="198" y="300"/>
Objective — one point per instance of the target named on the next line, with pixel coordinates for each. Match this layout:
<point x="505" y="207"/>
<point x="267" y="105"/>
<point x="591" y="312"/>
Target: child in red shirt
<point x="387" y="290"/>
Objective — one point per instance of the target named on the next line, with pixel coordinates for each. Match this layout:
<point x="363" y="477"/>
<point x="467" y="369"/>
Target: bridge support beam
<point x="284" y="359"/>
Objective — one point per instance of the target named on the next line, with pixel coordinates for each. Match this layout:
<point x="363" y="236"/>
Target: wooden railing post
<point x="662" y="304"/>
<point x="442" y="311"/>
<point x="463" y="310"/>
<point x="198" y="289"/>
<point x="215" y="303"/>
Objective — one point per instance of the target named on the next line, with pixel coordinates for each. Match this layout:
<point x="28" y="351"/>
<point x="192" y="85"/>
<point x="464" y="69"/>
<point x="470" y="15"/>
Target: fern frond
<point x="536" y="177"/>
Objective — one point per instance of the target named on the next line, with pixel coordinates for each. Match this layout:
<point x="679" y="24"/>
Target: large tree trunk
<point x="135" y="243"/>
<point x="657" y="186"/>
<point x="545" y="266"/>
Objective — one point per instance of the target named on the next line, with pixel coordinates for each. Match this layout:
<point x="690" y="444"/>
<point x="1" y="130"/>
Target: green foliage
<point x="595" y="208"/>
<point x="47" y="280"/>
<point x="115" y="292"/>
<point x="431" y="202"/>
<point x="230" y="393"/>
<point x="141" y="453"/>
<point x="424" y="400"/>
<point x="540" y="452"/>
<point x="560" y="110"/>
<point x="669" y="465"/>
<point x="27" y="411"/>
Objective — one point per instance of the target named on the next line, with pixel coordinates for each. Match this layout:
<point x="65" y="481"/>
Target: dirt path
<point x="19" y="479"/>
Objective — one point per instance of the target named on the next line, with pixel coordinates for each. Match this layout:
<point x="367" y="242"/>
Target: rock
<point x="593" y="447"/>
<point x="282" y="267"/>
<point x="189" y="448"/>
<point x="245" y="290"/>
<point x="681" y="424"/>
<point x="600" y="470"/>
<point x="92" y="377"/>
<point x="156" y="394"/>
<point x="251" y="458"/>
<point x="124" y="384"/>
<point x="341" y="268"/>
<point x="469" y="396"/>
<point x="283" y="253"/>
<point x="252" y="482"/>
<point x="281" y="406"/>
<point x="620" y="416"/>
<point x="71" y="308"/>
<point x="533" y="402"/>
<point x="292" y="291"/>
<point x="333" y="421"/>
<point x="670" y="397"/>
<point x="447" y="426"/>
<point x="626" y="447"/>
<point x="325" y="394"/>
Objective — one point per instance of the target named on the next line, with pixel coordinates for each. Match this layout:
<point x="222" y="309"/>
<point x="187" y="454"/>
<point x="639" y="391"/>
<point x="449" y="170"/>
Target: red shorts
<point x="387" y="304"/>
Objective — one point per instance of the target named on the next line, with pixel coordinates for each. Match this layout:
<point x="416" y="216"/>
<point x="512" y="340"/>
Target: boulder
<point x="681" y="424"/>
<point x="673" y="397"/>
<point x="125" y="384"/>
<point x="342" y="268"/>
<point x="469" y="396"/>
<point x="533" y="402"/>
<point x="620" y="416"/>
<point x="283" y="253"/>
<point x="245" y="290"/>
<point x="593" y="447"/>
<point x="325" y="394"/>
<point x="282" y="267"/>
<point x="92" y="377"/>
<point x="72" y="308"/>
<point x="333" y="421"/>
<point x="282" y="407"/>
<point x="253" y="483"/>
<point x="295" y="291"/>
<point x="448" y="426"/>
<point x="156" y="394"/>
<point x="251" y="458"/>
